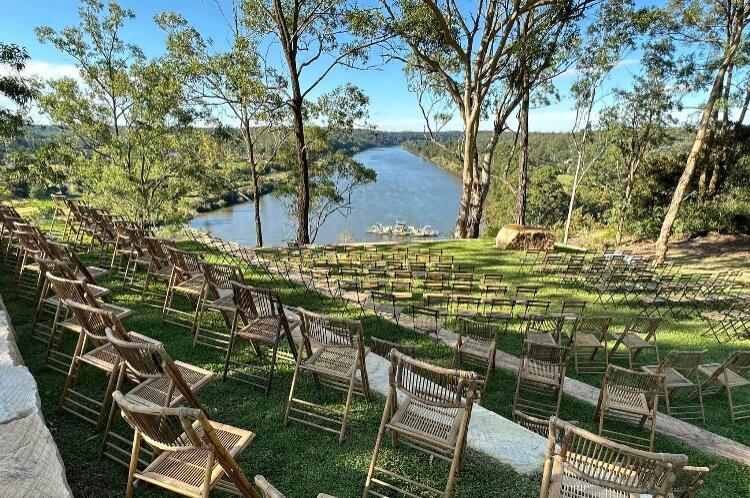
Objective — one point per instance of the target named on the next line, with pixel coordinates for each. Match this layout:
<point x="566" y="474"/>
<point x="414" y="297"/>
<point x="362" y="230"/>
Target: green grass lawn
<point x="302" y="461"/>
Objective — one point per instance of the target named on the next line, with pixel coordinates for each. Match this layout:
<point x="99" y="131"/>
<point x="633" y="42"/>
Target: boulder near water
<point x="517" y="237"/>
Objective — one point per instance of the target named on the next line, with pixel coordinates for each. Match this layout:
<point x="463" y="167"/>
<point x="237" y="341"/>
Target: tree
<point x="234" y="83"/>
<point x="610" y="37"/>
<point x="129" y="124"/>
<point x="314" y="38"/>
<point x="15" y="88"/>
<point x="476" y="59"/>
<point x="639" y="118"/>
<point x="711" y="21"/>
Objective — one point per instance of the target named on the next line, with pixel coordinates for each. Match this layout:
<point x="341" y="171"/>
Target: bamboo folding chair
<point x="726" y="325"/>
<point x="543" y="329"/>
<point x="499" y="309"/>
<point x="259" y="319"/>
<point x="589" y="338"/>
<point x="629" y="396"/>
<point x="466" y="306"/>
<point x="194" y="454"/>
<point x="333" y="353"/>
<point x="186" y="282"/>
<point x="65" y="253"/>
<point x="581" y="464"/>
<point x="492" y="285"/>
<point x="728" y="376"/>
<point x="428" y="408"/>
<point x="429" y="319"/>
<point x="94" y="321"/>
<point x="383" y="305"/>
<point x="541" y="376"/>
<point x="383" y="348"/>
<point x="639" y="335"/>
<point x="77" y="291"/>
<point x="159" y="271"/>
<point x="680" y="371"/>
<point x="61" y="212"/>
<point x="217" y="297"/>
<point x="689" y="481"/>
<point x="159" y="380"/>
<point x="476" y="348"/>
<point x="27" y="273"/>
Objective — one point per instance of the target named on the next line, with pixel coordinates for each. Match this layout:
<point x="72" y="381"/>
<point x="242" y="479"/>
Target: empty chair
<point x="159" y="272"/>
<point x="333" y="353"/>
<point x="216" y="299"/>
<point x="630" y="396"/>
<point x="383" y="348"/>
<point x="260" y="320"/>
<point x="543" y="329"/>
<point x="541" y="376"/>
<point x="476" y="349"/>
<point x="728" y="376"/>
<point x="194" y="454"/>
<point x="588" y="343"/>
<point x="428" y="319"/>
<point x="639" y="335"/>
<point x="428" y="408"/>
<point x="680" y="371"/>
<point x="383" y="304"/>
<point x="186" y="281"/>
<point x="583" y="464"/>
<point x="689" y="481"/>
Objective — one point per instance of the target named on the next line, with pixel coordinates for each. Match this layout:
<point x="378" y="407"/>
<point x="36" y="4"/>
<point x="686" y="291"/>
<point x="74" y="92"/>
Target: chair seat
<point x="96" y="272"/>
<point x="586" y="340"/>
<point x="264" y="329"/>
<point x="627" y="401"/>
<point x="728" y="378"/>
<point x="541" y="338"/>
<point x="332" y="361"/>
<point x="435" y="424"/>
<point x="478" y="349"/>
<point x="402" y="295"/>
<point x="163" y="272"/>
<point x="193" y="285"/>
<point x="634" y="341"/>
<point x="155" y="390"/>
<point x="672" y="378"/>
<point x="104" y="357"/>
<point x="184" y="471"/>
<point x="225" y="303"/>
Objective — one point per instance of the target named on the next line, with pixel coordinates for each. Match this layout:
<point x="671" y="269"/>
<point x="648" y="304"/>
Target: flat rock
<point x="517" y="237"/>
<point x="30" y="465"/>
<point x="19" y="396"/>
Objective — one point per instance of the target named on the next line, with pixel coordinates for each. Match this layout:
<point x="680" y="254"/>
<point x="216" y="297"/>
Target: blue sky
<point x="392" y="106"/>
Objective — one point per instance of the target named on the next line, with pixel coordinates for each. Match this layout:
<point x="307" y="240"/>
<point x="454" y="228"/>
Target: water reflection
<point x="407" y="188"/>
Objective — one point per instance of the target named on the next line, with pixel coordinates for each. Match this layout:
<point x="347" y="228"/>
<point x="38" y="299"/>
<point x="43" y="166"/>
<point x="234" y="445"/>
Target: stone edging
<point x="30" y="464"/>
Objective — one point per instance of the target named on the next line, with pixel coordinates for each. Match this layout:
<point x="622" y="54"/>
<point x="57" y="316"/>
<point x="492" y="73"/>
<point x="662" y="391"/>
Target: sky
<point x="392" y="106"/>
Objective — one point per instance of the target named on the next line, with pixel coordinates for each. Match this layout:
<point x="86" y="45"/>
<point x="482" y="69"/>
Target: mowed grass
<point x="302" y="461"/>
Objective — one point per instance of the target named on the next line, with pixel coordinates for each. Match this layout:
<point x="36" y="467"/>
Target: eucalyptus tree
<point x="128" y="122"/>
<point x="482" y="58"/>
<point x="639" y="118"/>
<point x="15" y="89"/>
<point x="717" y="29"/>
<point x="611" y="36"/>
<point x="313" y="39"/>
<point x="234" y="84"/>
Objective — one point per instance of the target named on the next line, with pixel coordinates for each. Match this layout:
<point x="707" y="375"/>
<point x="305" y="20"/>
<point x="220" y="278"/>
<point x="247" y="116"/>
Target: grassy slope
<point x="302" y="461"/>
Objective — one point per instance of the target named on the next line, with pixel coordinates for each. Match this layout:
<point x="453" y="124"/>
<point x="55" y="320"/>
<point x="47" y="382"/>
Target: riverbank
<point x="438" y="161"/>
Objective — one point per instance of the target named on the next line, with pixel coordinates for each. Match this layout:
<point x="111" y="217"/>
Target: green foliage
<point x="15" y="89"/>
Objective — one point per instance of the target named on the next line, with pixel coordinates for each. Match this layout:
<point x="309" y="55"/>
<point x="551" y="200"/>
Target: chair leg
<point x="133" y="464"/>
<point x="376" y="449"/>
<point x="292" y="390"/>
<point x="348" y="403"/>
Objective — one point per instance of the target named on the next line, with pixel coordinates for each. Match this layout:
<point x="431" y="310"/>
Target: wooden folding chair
<point x="428" y="408"/>
<point x="217" y="298"/>
<point x="543" y="329"/>
<point x="476" y="348"/>
<point x="581" y="464"/>
<point x="728" y="376"/>
<point x="159" y="272"/>
<point x="541" y="376"/>
<point x="159" y="380"/>
<point x="589" y="338"/>
<point x="194" y="454"/>
<point x="333" y="353"/>
<point x="259" y="319"/>
<point x="689" y="481"/>
<point x="629" y="396"/>
<point x="639" y="335"/>
<point x="680" y="371"/>
<point x="186" y="282"/>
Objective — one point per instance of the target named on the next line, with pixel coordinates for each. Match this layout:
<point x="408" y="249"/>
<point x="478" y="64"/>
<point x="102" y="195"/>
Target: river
<point x="407" y="188"/>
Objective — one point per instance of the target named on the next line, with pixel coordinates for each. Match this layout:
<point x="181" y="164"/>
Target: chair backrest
<point x="545" y="323"/>
<point x="220" y="276"/>
<point x="584" y="460"/>
<point x="479" y="331"/>
<point x="689" y="480"/>
<point x="255" y="302"/>
<point x="595" y="325"/>
<point x="627" y="383"/>
<point x="157" y="248"/>
<point x="642" y="325"/>
<point x="185" y="263"/>
<point x="68" y="289"/>
<point x="383" y="348"/>
<point x="576" y="307"/>
<point x="66" y="253"/>
<point x="685" y="362"/>
<point x="330" y="331"/>
<point x="431" y="384"/>
<point x="738" y="362"/>
<point x="539" y="358"/>
<point x="94" y="320"/>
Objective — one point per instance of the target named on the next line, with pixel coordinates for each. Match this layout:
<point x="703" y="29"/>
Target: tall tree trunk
<point x="303" y="199"/>
<point x="623" y="214"/>
<point x="523" y="158"/>
<point x="722" y="157"/>
<point x="471" y="127"/>
<point x="573" y="191"/>
<point x="662" y="244"/>
<point x="250" y="151"/>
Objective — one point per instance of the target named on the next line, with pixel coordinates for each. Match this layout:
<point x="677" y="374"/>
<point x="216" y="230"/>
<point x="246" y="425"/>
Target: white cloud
<point x="46" y="70"/>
